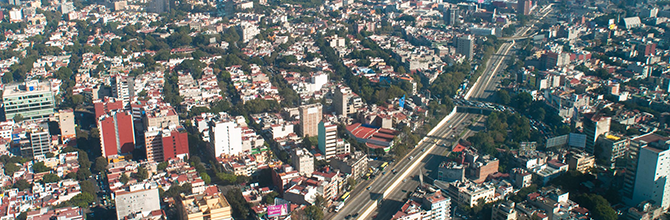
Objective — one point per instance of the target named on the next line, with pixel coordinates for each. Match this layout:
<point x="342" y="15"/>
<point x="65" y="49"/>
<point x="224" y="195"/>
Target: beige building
<point x="310" y="116"/>
<point x="580" y="161"/>
<point x="161" y="118"/>
<point x="209" y="205"/>
<point x="504" y="211"/>
<point x="65" y="120"/>
<point x="303" y="161"/>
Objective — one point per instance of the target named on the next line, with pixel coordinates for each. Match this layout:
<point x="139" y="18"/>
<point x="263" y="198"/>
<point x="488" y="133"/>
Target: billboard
<point x="277" y="210"/>
<point x="577" y="140"/>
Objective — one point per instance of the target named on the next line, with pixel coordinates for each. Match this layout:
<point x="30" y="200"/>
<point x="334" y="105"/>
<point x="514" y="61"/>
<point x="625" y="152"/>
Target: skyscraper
<point x="116" y="133"/>
<point x="651" y="181"/>
<point x="310" y="116"/>
<point x="327" y="139"/>
<point x="633" y="158"/>
<point x="465" y="46"/>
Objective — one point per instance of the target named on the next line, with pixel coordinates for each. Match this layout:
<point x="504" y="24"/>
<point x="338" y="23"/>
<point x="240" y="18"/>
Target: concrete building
<point x="310" y="116"/>
<point x="31" y="100"/>
<point x="328" y="139"/>
<point x="524" y="6"/>
<point x="504" y="211"/>
<point x="644" y="211"/>
<point x="451" y="17"/>
<point x="425" y="206"/>
<point x="593" y="128"/>
<point x="247" y="31"/>
<point x="226" y="137"/>
<point x="303" y="161"/>
<point x="612" y="148"/>
<point x="636" y="144"/>
<point x="120" y="88"/>
<point x="580" y="161"/>
<point x="522" y="178"/>
<point x="140" y="202"/>
<point x="163" y="117"/>
<point x="346" y="102"/>
<point x="158" y="6"/>
<point x="165" y="144"/>
<point x="465" y="46"/>
<point x="65" y="120"/>
<point x="66" y="213"/>
<point x="469" y="193"/>
<point x="116" y="133"/>
<point x="40" y="143"/>
<point x="451" y="171"/>
<point x="355" y="164"/>
<point x="209" y="205"/>
<point x="651" y="179"/>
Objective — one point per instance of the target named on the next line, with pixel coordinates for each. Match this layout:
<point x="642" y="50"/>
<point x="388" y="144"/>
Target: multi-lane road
<point x="381" y="197"/>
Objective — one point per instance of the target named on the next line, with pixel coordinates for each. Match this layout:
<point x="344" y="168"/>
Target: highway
<point x="392" y="189"/>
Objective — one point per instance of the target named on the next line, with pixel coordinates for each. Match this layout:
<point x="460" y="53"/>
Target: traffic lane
<point x="442" y="132"/>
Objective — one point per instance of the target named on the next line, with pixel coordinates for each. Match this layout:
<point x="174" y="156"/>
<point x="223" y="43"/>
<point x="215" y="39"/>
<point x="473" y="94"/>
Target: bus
<point x="338" y="206"/>
<point x="384" y="165"/>
<point x="345" y="196"/>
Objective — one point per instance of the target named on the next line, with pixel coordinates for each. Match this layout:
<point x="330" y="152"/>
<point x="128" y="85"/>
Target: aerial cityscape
<point x="334" y="109"/>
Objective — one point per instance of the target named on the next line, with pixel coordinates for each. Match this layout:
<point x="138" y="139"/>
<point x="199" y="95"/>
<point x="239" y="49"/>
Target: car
<point x="354" y="215"/>
<point x="368" y="187"/>
<point x="411" y="157"/>
<point x="404" y="180"/>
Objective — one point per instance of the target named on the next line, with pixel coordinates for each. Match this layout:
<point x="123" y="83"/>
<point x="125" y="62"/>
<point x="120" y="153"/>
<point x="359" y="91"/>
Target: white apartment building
<point x="303" y="161"/>
<point x="328" y="139"/>
<point x="652" y="174"/>
<point x="226" y="137"/>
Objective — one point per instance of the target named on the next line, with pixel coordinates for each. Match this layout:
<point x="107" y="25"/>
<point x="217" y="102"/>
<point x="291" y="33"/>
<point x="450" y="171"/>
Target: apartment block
<point x="30" y="100"/>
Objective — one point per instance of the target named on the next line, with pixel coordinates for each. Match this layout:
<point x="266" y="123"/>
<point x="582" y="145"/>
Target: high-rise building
<point x="651" y="179"/>
<point x="30" y="100"/>
<point x="310" y="116"/>
<point x="117" y="133"/>
<point x="345" y="101"/>
<point x="165" y="144"/>
<point x="162" y="117"/>
<point x="636" y="144"/>
<point x="138" y="203"/>
<point x="452" y="16"/>
<point x="504" y="211"/>
<point x="327" y="139"/>
<point x="594" y="127"/>
<point x="465" y="46"/>
<point x="524" y="6"/>
<point x="303" y="161"/>
<point x="40" y="143"/>
<point x="120" y="88"/>
<point x="227" y="138"/>
<point x="612" y="148"/>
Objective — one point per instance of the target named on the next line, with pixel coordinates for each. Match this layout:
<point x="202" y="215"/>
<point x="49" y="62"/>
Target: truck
<point x="338" y="205"/>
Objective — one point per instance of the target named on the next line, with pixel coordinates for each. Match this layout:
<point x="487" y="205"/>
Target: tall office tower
<point x="452" y="16"/>
<point x="30" y="100"/>
<point x="328" y="139"/>
<point x="594" y="127"/>
<point x="117" y="133"/>
<point x="635" y="146"/>
<point x="465" y="46"/>
<point x="310" y="116"/>
<point x="40" y="143"/>
<point x="523" y="6"/>
<point x="303" y="161"/>
<point x="341" y="100"/>
<point x="227" y="138"/>
<point x="652" y="175"/>
<point x="165" y="144"/>
<point x="120" y="88"/>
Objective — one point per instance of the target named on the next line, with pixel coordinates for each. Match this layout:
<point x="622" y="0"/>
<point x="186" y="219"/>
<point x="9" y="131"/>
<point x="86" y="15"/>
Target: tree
<point x="162" y="166"/>
<point x="100" y="164"/>
<point x="50" y="178"/>
<point x="39" y="167"/>
<point x="124" y="178"/>
<point x="205" y="177"/>
<point x="18" y="117"/>
<point x="82" y="199"/>
<point x="503" y="97"/>
<point x="238" y="204"/>
<point x="83" y="174"/>
<point x="141" y="174"/>
<point x="599" y="207"/>
<point x="314" y="213"/>
<point x="351" y="181"/>
<point x="227" y="178"/>
<point x="11" y="168"/>
<point x="270" y="197"/>
<point x="87" y="186"/>
<point x="320" y="201"/>
<point x="22" y="184"/>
